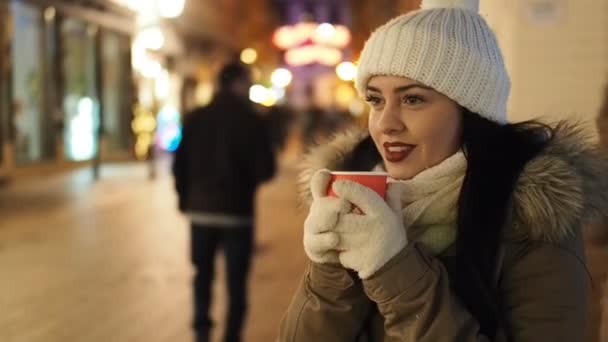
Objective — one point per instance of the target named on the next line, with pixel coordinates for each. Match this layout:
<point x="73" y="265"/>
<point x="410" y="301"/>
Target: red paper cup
<point x="373" y="180"/>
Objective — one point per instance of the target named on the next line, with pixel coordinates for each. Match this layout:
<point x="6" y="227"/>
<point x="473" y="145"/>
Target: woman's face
<point x="413" y="126"/>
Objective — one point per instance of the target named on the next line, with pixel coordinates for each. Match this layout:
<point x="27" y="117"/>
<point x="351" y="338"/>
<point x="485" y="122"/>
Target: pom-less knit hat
<point x="445" y="45"/>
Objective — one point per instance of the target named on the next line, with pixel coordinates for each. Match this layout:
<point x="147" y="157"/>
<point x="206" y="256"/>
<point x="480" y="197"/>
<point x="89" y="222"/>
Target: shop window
<point x="28" y="119"/>
<point x="116" y="91"/>
<point x="80" y="100"/>
<point x="5" y="65"/>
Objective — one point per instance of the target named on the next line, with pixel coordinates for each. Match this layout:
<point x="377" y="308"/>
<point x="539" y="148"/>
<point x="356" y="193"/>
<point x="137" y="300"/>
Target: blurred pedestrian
<point x="480" y="235"/>
<point x="224" y="155"/>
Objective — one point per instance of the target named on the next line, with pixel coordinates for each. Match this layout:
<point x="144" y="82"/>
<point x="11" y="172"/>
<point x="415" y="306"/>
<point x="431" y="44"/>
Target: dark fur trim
<point x="563" y="187"/>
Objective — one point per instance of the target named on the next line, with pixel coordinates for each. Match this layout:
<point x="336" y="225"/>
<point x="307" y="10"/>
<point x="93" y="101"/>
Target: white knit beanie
<point x="445" y="45"/>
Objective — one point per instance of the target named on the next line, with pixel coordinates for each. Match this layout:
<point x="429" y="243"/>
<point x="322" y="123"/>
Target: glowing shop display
<point x="307" y="43"/>
<point x="169" y="130"/>
<point x="309" y="54"/>
<point x="82" y="131"/>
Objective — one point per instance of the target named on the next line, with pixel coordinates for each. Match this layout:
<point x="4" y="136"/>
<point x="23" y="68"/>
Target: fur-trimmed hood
<point x="558" y="191"/>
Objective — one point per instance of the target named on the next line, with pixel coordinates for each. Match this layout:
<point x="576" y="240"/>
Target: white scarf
<point x="430" y="202"/>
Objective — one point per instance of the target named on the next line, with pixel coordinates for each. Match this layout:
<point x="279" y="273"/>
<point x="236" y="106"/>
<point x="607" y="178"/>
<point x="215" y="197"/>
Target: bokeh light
<point x="281" y="77"/>
<point x="258" y="93"/>
<point x="151" y="38"/>
<point x="171" y="8"/>
<point x="249" y="56"/>
<point x="347" y="71"/>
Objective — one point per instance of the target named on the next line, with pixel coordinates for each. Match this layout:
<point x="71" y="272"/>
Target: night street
<point x="108" y="261"/>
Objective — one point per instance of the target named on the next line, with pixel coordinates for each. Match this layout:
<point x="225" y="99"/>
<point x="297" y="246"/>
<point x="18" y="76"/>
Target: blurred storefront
<point x="66" y="84"/>
<point x="556" y="52"/>
<point x="5" y="103"/>
<point x="116" y="83"/>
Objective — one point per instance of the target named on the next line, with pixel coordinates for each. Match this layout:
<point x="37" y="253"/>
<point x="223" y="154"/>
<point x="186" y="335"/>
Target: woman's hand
<point x="369" y="241"/>
<point x="320" y="240"/>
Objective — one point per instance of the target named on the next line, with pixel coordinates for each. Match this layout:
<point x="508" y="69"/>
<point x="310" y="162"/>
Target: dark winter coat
<point x="225" y="153"/>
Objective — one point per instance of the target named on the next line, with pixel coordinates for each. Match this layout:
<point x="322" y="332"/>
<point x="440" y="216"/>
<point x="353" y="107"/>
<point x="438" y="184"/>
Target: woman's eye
<point x="372" y="100"/>
<point x="412" y="100"/>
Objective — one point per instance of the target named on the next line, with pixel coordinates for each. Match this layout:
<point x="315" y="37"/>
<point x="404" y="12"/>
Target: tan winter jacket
<point x="541" y="273"/>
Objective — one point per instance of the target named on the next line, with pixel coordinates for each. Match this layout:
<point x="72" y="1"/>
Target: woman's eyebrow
<point x="401" y="89"/>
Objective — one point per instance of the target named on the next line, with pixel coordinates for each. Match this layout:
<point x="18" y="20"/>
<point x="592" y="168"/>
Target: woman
<point x="479" y="238"/>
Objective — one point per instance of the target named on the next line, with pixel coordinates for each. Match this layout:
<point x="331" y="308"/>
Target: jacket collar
<point x="557" y="192"/>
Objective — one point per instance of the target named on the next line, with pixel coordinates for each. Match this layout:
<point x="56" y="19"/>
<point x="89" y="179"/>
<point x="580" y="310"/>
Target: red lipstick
<point x="396" y="152"/>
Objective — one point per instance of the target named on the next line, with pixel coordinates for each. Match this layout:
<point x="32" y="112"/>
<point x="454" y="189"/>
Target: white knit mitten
<point x="370" y="240"/>
<point x="320" y="240"/>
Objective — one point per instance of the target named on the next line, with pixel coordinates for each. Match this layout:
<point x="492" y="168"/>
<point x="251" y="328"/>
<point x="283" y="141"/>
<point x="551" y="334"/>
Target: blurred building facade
<point x="556" y="51"/>
<point x="557" y="55"/>
<point x="314" y="76"/>
<point x="101" y="80"/>
<point x="64" y="81"/>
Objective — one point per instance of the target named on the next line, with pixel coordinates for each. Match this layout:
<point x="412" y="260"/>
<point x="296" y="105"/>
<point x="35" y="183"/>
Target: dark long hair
<point x="496" y="154"/>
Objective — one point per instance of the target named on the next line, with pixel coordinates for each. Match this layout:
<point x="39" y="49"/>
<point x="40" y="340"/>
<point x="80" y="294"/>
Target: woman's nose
<point x="391" y="121"/>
